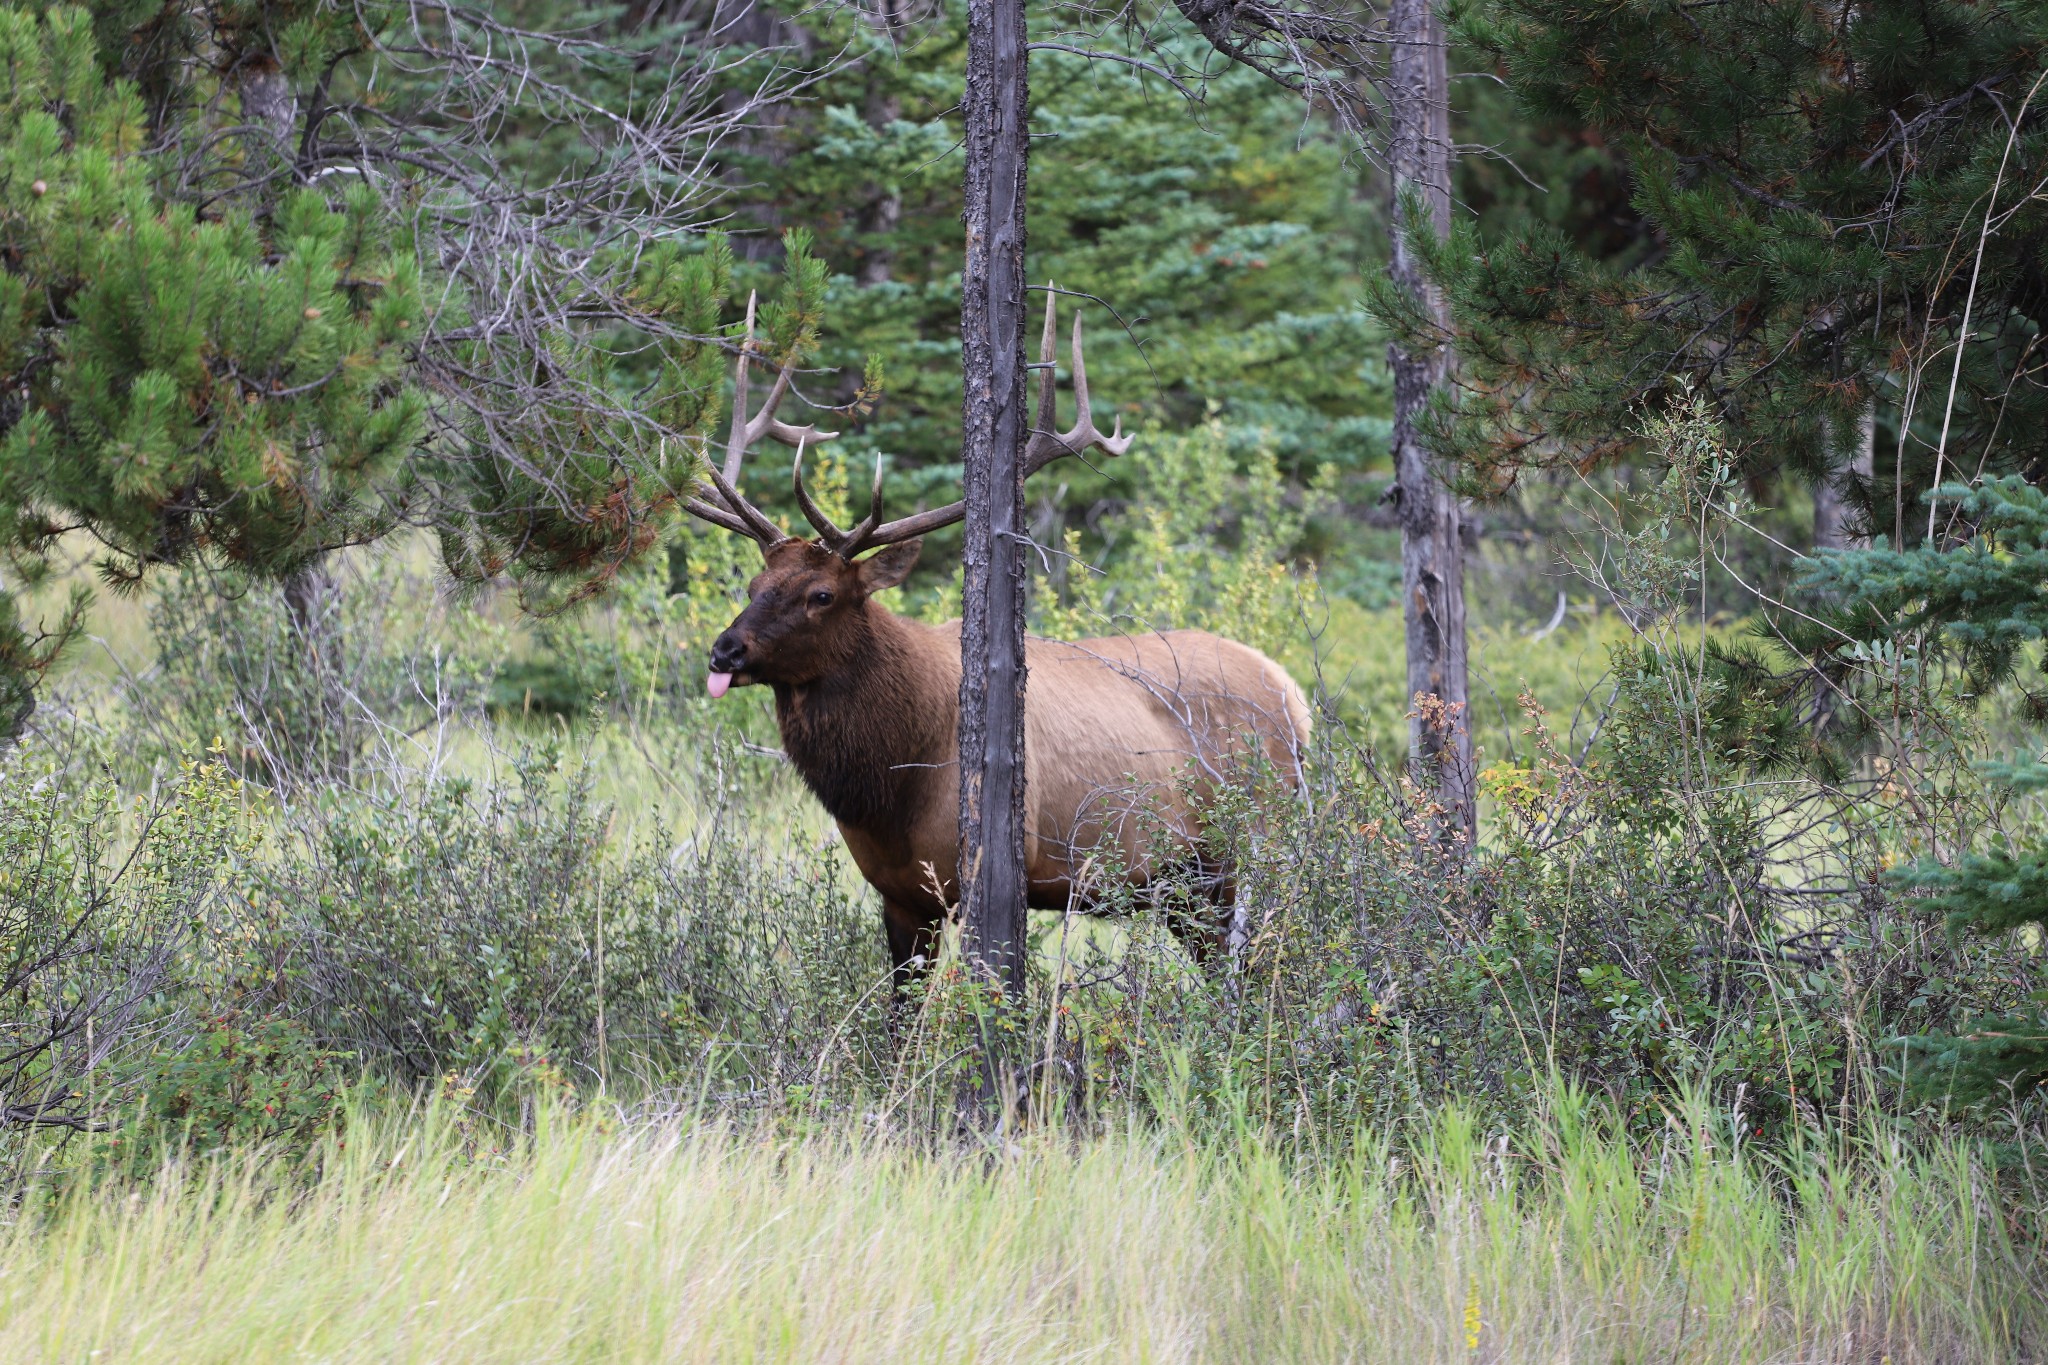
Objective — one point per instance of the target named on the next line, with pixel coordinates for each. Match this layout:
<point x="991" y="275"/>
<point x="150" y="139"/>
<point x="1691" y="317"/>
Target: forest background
<point x="366" y="808"/>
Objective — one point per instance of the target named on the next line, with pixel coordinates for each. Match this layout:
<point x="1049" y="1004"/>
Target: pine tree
<point x="1981" y="600"/>
<point x="1843" y="192"/>
<point x="178" y="383"/>
<point x="1230" y="236"/>
<point x="1850" y="279"/>
<point x="267" y="290"/>
<point x="2003" y="890"/>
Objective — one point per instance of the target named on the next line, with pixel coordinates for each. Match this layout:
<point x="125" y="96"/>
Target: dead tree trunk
<point x="1432" y="552"/>
<point x="992" y="627"/>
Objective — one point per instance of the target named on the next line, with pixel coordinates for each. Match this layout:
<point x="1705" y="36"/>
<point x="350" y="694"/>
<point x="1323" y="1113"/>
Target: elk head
<point x="806" y="613"/>
<point x="802" y="619"/>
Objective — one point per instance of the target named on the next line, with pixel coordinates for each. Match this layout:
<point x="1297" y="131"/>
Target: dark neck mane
<point x="865" y="737"/>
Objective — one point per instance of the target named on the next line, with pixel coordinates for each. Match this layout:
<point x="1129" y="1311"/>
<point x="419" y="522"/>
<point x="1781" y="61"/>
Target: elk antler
<point x="738" y="514"/>
<point x="1045" y="445"/>
<point x="845" y="544"/>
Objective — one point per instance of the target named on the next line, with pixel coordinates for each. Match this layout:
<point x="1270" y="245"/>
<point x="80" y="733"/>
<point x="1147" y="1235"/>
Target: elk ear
<point x="888" y="566"/>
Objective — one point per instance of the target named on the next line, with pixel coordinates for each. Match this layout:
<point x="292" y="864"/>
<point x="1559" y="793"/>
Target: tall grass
<point x="675" y="1240"/>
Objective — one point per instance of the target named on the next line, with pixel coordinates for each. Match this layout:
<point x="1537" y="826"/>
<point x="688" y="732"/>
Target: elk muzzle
<point x="728" y="659"/>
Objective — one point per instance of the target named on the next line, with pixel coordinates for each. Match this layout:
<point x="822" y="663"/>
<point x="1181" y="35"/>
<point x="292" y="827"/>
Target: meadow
<point x="614" y="1235"/>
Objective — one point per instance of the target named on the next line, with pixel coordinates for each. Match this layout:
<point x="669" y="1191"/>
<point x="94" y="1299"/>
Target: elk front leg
<point x="913" y="938"/>
<point x="1206" y="917"/>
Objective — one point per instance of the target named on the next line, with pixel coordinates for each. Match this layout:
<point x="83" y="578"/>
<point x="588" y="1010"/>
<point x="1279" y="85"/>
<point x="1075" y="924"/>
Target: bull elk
<point x="1124" y="736"/>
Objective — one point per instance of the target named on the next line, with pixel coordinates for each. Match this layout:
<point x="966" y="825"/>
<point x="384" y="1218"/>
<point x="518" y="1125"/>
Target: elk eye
<point x="821" y="598"/>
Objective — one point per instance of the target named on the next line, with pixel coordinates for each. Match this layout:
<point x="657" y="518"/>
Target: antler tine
<point x="1048" y="377"/>
<point x="757" y="523"/>
<point x="750" y="428"/>
<point x="746" y="429"/>
<point x="845" y="544"/>
<point x="744" y="516"/>
<point x="1082" y="412"/>
<point x="736" y="444"/>
<point x="1046" y="445"/>
<point x="766" y="423"/>
<point x="1116" y="443"/>
<point x="717" y="516"/>
<point x="857" y="538"/>
<point x="917" y="524"/>
<point x="813" y="513"/>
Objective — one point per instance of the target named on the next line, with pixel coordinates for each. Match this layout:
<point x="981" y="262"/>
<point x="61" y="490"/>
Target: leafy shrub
<point x="483" y="928"/>
<point x="101" y="902"/>
<point x="240" y="1082"/>
<point x="433" y="925"/>
<point x="773" y="971"/>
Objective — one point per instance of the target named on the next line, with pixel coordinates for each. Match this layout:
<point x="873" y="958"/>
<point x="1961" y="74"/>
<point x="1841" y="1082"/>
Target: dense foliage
<point x="272" y="287"/>
<point x="1846" y="227"/>
<point x="1226" y="241"/>
<point x="1742" y="859"/>
<point x="177" y="382"/>
<point x="1849" y="281"/>
<point x="1975" y="604"/>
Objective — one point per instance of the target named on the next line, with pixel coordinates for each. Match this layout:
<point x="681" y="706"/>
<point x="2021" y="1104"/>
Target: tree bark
<point x="318" y="742"/>
<point x="1432" y="550"/>
<point x="992" y="626"/>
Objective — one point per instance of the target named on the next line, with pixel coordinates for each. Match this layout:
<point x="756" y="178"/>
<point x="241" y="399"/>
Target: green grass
<point x="679" y="1241"/>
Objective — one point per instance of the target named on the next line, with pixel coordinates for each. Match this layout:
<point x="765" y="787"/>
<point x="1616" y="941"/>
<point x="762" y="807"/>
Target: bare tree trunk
<point x="1432" y="551"/>
<point x="269" y="103"/>
<point x="319" y="741"/>
<point x="992" y="628"/>
<point x="1830" y="508"/>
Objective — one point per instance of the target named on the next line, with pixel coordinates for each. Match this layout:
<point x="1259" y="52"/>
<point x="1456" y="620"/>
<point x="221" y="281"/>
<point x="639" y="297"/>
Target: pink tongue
<point x="716" y="683"/>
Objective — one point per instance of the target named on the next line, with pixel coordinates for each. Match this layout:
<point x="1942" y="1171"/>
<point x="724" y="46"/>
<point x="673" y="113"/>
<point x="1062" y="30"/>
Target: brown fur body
<point x="1122" y="734"/>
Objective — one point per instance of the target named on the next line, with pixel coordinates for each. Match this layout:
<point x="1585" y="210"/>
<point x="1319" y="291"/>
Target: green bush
<point x="477" y="928"/>
<point x="241" y="1082"/>
<point x="106" y="904"/>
